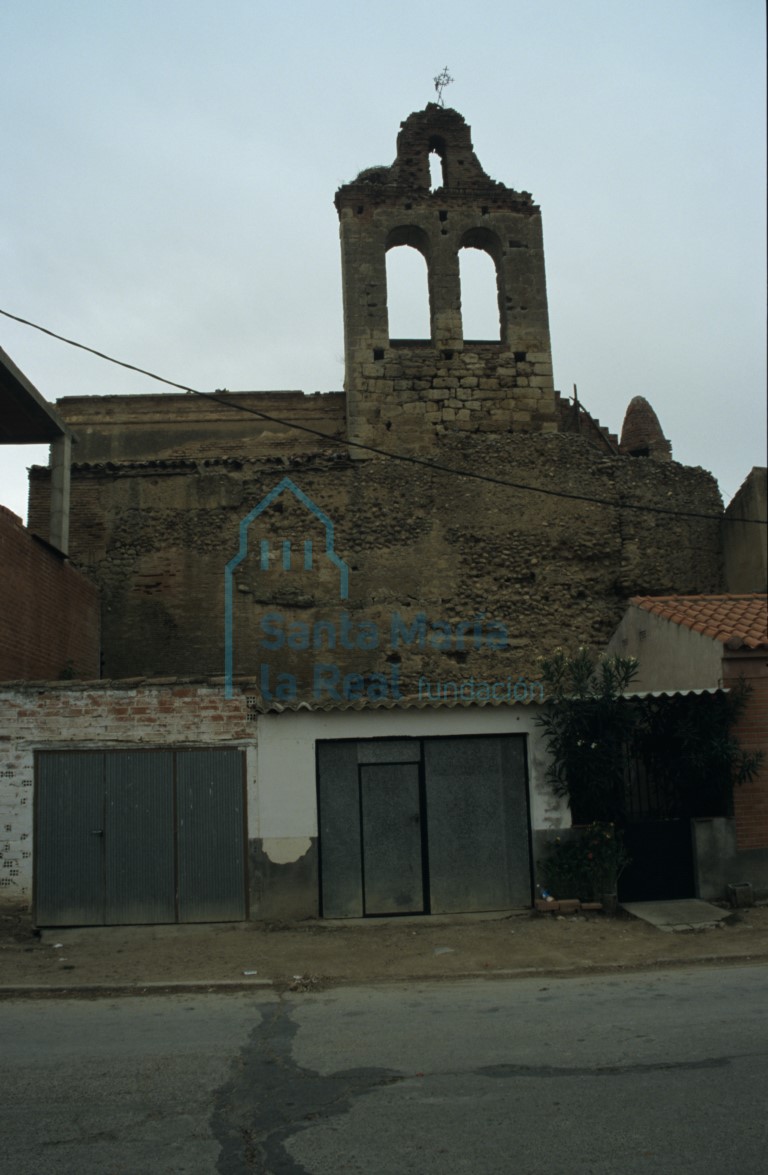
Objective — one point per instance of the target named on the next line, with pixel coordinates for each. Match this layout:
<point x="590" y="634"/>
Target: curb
<point x="38" y="990"/>
<point x="325" y="982"/>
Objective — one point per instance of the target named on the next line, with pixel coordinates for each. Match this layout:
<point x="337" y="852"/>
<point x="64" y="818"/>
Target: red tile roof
<point x="738" y="621"/>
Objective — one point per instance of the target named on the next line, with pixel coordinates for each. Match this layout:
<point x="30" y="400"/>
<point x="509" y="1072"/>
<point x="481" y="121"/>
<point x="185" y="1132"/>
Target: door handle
<point x="97" y="832"/>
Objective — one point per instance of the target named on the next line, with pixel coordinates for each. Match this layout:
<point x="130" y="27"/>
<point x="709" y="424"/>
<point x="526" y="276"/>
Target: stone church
<point x="459" y="483"/>
<point x="322" y="615"/>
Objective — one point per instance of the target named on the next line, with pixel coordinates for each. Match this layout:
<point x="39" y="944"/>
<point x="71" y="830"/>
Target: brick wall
<point x="49" y="611"/>
<point x="66" y="715"/>
<point x="751" y="799"/>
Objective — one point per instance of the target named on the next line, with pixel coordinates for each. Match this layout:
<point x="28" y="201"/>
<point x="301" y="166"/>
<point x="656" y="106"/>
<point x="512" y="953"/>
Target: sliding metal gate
<point x="412" y="826"/>
<point x="139" y="837"/>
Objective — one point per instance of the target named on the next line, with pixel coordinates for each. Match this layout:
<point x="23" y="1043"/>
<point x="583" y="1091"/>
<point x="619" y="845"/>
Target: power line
<point x="406" y="457"/>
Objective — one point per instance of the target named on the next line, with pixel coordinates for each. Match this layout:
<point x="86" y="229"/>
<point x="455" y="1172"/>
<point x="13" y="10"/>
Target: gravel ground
<point x="314" y="954"/>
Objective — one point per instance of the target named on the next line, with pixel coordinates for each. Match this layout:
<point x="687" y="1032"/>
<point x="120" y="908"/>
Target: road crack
<point x="269" y="1098"/>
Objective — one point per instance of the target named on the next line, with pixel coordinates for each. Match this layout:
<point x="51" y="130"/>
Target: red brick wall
<point x="49" y="612"/>
<point x="751" y="799"/>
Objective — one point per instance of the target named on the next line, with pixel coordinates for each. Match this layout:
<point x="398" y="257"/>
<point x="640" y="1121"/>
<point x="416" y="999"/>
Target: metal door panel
<point x="389" y="750"/>
<point x="339" y="827"/>
<point x="210" y="830"/>
<point x="391" y="833"/>
<point x="140" y="876"/>
<point x="69" y="851"/>
<point x="477" y="824"/>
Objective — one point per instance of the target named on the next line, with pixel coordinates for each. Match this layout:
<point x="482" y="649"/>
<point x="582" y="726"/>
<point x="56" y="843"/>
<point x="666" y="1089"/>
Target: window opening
<point x="436" y="176"/>
<point x="479" y="296"/>
<point x="407" y="294"/>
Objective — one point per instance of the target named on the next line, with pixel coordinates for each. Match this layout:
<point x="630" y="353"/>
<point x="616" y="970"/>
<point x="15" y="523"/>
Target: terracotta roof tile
<point x="736" y="620"/>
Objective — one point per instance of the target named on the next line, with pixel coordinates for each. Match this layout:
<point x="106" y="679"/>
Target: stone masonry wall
<point x="136" y="428"/>
<point x="448" y="382"/>
<point x="415" y="393"/>
<point x="553" y="570"/>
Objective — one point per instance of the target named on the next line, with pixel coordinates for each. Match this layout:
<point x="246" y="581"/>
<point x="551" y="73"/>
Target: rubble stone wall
<point x="553" y="569"/>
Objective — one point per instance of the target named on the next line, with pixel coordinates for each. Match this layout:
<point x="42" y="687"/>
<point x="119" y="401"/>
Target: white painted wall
<point x="671" y="656"/>
<point x="280" y="754"/>
<point x="286" y="770"/>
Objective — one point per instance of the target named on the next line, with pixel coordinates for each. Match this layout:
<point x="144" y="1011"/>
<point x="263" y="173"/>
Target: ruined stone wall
<point x="136" y="428"/>
<point x="417" y="543"/>
<point x="392" y="572"/>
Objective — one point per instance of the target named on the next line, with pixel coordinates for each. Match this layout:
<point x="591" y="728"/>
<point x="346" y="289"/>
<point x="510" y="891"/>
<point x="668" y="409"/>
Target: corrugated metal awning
<point x="674" y="693"/>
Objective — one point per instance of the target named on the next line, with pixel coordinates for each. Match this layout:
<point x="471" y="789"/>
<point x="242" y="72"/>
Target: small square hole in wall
<point x="443" y="215"/>
<point x="520" y="356"/>
<point x="447" y="354"/>
<point x="484" y="211"/>
<point x="360" y="209"/>
<point x="378" y="353"/>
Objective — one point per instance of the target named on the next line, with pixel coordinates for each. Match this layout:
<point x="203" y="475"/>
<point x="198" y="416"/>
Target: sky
<point x="170" y="166"/>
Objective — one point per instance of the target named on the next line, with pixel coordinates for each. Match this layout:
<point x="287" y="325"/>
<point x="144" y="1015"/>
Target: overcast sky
<point x="169" y="169"/>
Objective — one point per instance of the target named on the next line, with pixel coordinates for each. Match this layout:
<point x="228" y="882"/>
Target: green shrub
<point x="585" y="864"/>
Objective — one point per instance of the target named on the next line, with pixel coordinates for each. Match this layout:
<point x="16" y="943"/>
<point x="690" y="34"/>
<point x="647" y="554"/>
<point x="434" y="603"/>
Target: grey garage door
<point x="411" y="826"/>
<point x="139" y="837"/>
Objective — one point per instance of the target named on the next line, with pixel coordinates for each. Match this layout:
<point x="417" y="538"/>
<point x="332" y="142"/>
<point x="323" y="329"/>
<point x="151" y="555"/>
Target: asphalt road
<point x="648" y="1073"/>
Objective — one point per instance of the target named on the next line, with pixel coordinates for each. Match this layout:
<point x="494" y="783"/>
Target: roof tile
<point x="724" y="618"/>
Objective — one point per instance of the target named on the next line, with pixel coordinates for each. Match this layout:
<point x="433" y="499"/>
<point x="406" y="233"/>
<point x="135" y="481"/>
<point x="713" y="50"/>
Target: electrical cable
<point x="406" y="457"/>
